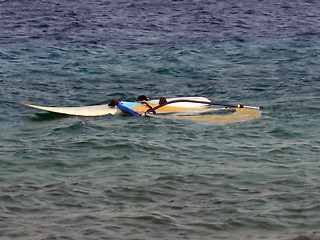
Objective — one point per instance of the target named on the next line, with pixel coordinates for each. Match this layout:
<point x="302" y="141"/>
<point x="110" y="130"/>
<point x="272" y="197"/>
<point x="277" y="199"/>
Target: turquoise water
<point x="120" y="177"/>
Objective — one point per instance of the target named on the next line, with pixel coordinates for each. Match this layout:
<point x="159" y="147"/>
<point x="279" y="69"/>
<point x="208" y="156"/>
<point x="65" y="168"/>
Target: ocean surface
<point x="120" y="177"/>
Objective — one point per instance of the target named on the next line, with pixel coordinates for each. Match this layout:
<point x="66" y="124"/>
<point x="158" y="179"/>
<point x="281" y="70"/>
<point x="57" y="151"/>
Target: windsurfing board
<point x="105" y="109"/>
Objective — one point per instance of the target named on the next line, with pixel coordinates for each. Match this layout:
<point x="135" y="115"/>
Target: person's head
<point x="143" y="98"/>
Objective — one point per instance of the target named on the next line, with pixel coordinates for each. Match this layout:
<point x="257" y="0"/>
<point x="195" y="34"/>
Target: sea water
<point x="120" y="177"/>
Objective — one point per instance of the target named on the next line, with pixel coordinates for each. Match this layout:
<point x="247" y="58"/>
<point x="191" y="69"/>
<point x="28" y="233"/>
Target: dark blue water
<point x="119" y="177"/>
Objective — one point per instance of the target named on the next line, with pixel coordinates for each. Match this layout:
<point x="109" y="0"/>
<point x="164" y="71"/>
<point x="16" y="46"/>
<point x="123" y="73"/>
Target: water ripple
<point x="118" y="177"/>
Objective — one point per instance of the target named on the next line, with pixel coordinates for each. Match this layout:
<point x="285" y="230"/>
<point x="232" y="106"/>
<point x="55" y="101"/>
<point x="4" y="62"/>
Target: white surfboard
<point x="104" y="109"/>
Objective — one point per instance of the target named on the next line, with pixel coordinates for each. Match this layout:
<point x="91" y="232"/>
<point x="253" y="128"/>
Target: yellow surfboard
<point x="239" y="115"/>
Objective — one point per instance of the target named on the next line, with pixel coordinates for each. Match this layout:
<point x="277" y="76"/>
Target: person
<point x="142" y="98"/>
<point x="113" y="102"/>
<point x="162" y="100"/>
